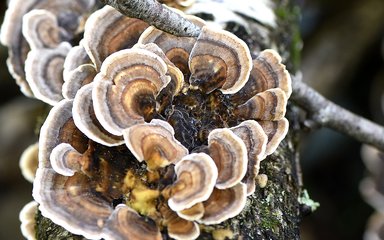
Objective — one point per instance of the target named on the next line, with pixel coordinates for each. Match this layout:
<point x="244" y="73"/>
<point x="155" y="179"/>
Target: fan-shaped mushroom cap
<point x="224" y="204"/>
<point x="196" y="178"/>
<point x="193" y="213"/>
<point x="276" y="132"/>
<point x="268" y="105"/>
<point x="371" y="186"/>
<point x="221" y="60"/>
<point x="58" y="128"/>
<point x="41" y="29"/>
<point x="44" y="72"/>
<point x="255" y="141"/>
<point x="125" y="89"/>
<point x="268" y="65"/>
<point x="229" y="153"/>
<point x="70" y="202"/>
<point x="27" y="219"/>
<point x="126" y="223"/>
<point x="11" y="36"/>
<point x="177" y="77"/>
<point x="65" y="160"/>
<point x="68" y="13"/>
<point x="85" y="119"/>
<point x="267" y="72"/>
<point x="107" y="31"/>
<point x="155" y="143"/>
<point x="29" y="161"/>
<point x="177" y="49"/>
<point x="76" y="57"/>
<point x="77" y="78"/>
<point x="375" y="227"/>
<point x="179" y="228"/>
<point x="78" y="71"/>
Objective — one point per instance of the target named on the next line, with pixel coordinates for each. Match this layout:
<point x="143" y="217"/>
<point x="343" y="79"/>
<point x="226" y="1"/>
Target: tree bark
<point x="272" y="212"/>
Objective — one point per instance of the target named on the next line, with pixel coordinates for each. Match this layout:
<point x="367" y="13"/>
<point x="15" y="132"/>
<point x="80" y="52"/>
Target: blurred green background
<point x="342" y="58"/>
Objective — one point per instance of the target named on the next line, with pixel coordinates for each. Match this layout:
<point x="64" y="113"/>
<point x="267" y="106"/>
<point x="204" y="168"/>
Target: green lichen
<point x="306" y="200"/>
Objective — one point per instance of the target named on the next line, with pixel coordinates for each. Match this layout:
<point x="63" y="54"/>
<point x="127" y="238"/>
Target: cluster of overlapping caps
<point x="199" y="112"/>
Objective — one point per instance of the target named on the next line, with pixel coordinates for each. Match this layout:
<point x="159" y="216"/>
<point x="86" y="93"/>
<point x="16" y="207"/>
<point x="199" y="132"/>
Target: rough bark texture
<point x="273" y="212"/>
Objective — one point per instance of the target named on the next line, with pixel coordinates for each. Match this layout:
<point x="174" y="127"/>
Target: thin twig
<point x="323" y="111"/>
<point x="157" y="15"/>
<point x="328" y="114"/>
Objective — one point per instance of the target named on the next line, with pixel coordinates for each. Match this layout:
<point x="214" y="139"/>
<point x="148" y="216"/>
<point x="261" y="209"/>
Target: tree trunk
<point x="272" y="212"/>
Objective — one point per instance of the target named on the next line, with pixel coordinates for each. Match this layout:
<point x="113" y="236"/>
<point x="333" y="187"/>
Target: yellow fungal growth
<point x="129" y="180"/>
<point x="156" y="159"/>
<point x="143" y="200"/>
<point x="222" y="234"/>
<point x="140" y="197"/>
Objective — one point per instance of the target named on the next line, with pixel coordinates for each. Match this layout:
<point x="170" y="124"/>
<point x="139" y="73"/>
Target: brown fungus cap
<point x="267" y="72"/>
<point x="59" y="128"/>
<point x="85" y="119"/>
<point x="375" y="227"/>
<point x="267" y="67"/>
<point x="69" y="15"/>
<point x="77" y="78"/>
<point x="28" y="221"/>
<point x="126" y="223"/>
<point x="41" y="29"/>
<point x="268" y="105"/>
<point x="229" y="153"/>
<point x="70" y="202"/>
<point x="67" y="201"/>
<point x="154" y="143"/>
<point x="126" y="87"/>
<point x="224" y="204"/>
<point x="196" y="178"/>
<point x="29" y="161"/>
<point x="107" y="31"/>
<point x="178" y="228"/>
<point x="276" y="132"/>
<point x="66" y="161"/>
<point x="177" y="49"/>
<point x="78" y="71"/>
<point x="219" y="60"/>
<point x="255" y="141"/>
<point x="11" y="36"/>
<point x="44" y="72"/>
<point x="193" y="213"/>
<point x="177" y="76"/>
<point x="76" y="57"/>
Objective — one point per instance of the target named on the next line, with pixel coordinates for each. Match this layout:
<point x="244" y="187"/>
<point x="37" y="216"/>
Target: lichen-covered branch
<point x="328" y="114"/>
<point x="157" y="15"/>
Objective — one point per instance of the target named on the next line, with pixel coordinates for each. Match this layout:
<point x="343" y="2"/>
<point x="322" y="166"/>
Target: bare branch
<point x="157" y="15"/>
<point x="328" y="114"/>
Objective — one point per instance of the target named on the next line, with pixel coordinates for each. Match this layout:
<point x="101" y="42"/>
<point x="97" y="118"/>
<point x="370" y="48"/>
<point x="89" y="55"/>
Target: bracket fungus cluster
<point x="150" y="133"/>
<point x="38" y="34"/>
<point x="372" y="191"/>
